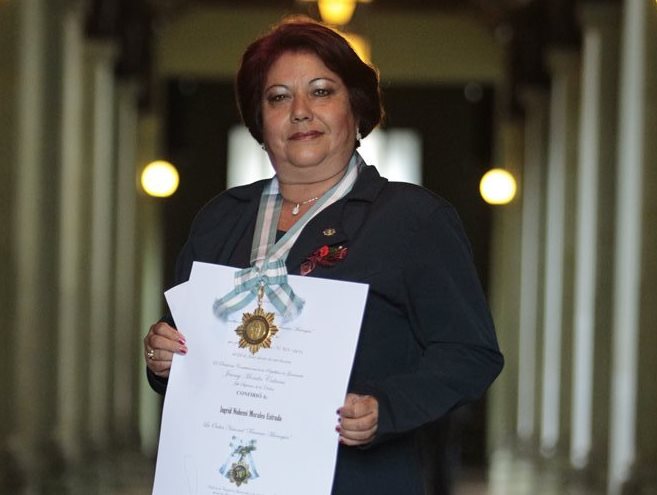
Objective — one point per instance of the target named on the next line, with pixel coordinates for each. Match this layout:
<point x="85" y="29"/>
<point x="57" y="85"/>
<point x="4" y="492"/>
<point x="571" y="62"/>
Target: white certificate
<point x="263" y="423"/>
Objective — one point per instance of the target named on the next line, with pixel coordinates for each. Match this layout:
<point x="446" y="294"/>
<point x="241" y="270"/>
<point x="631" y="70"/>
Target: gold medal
<point x="257" y="328"/>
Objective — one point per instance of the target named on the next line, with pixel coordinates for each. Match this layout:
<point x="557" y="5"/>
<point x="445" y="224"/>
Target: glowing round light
<point x="497" y="187"/>
<point x="336" y="12"/>
<point x="160" y="179"/>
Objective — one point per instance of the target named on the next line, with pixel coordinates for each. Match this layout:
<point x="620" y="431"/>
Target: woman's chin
<point x="309" y="166"/>
<point x="302" y="164"/>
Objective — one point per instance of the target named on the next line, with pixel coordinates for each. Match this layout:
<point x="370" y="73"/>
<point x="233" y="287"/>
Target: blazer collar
<point x="367" y="187"/>
<point x="335" y="225"/>
<point x="248" y="192"/>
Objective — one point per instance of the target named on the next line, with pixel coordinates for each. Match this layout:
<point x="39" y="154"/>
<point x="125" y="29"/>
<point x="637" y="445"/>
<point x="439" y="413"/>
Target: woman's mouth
<point x="302" y="136"/>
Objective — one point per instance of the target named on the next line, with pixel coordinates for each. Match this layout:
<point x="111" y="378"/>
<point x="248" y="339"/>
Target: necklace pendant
<point x="295" y="210"/>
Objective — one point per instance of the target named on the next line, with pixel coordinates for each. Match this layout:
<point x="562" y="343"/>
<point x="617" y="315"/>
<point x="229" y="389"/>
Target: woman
<point x="427" y="343"/>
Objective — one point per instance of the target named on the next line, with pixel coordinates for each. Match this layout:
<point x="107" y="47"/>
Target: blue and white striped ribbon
<point x="268" y="257"/>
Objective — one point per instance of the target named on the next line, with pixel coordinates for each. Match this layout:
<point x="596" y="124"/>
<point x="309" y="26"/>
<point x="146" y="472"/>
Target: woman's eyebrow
<point x="322" y="78"/>
<point x="314" y="80"/>
<point x="276" y="85"/>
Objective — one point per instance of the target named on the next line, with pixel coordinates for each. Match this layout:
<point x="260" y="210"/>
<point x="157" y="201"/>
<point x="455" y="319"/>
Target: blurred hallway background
<point x="561" y="93"/>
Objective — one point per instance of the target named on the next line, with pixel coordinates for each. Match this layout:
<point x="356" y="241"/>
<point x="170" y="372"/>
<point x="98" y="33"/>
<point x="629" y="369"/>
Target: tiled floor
<point x="508" y="475"/>
<point x="132" y="474"/>
<point x="129" y="474"/>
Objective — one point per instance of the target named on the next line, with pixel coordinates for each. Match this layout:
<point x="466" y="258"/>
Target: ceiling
<point x="526" y="27"/>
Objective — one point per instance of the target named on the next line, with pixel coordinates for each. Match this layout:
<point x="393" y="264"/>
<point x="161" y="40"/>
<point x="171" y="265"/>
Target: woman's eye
<point x="322" y="92"/>
<point x="276" y="98"/>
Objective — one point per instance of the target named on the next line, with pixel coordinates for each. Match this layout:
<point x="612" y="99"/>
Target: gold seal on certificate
<point x="242" y="468"/>
<point x="239" y="473"/>
<point x="257" y="328"/>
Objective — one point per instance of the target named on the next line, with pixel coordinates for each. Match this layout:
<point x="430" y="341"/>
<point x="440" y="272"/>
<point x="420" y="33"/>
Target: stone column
<point x="34" y="235"/>
<point x="594" y="247"/>
<point x="151" y="266"/>
<point x="127" y="367"/>
<point x="9" y="60"/>
<point x="505" y="291"/>
<point x="101" y="57"/>
<point x="633" y="437"/>
<point x="644" y="473"/>
<point x="535" y="102"/>
<point x="559" y="239"/>
<point x="71" y="289"/>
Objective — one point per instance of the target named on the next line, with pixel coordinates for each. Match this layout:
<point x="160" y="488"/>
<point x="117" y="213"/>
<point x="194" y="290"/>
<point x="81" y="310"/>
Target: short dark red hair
<point x="305" y="35"/>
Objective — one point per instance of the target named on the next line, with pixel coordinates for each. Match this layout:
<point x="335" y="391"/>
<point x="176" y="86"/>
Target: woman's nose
<point x="300" y="110"/>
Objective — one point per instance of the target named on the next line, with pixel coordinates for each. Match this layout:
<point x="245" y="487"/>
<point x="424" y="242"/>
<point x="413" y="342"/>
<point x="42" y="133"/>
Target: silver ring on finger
<point x="151" y="354"/>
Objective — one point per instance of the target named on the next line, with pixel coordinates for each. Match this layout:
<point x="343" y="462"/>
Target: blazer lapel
<point x="339" y="222"/>
<point x="250" y="195"/>
<point x="325" y="228"/>
<point x="332" y="226"/>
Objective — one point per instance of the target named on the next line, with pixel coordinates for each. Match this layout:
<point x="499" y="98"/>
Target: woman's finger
<point x="160" y="368"/>
<point x="356" y="406"/>
<point x="363" y="423"/>
<point x="358" y="421"/>
<point x="356" y="437"/>
<point x="160" y="343"/>
<point x="163" y="336"/>
<point x="159" y="355"/>
<point x="164" y="330"/>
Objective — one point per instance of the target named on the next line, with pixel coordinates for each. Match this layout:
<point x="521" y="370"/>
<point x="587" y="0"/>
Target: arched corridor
<point x="563" y="94"/>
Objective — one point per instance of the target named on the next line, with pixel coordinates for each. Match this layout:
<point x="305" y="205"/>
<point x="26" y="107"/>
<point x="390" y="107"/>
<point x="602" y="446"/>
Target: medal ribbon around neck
<point x="268" y="257"/>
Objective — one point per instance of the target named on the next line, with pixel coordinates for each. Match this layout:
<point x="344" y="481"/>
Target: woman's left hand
<point x="359" y="419"/>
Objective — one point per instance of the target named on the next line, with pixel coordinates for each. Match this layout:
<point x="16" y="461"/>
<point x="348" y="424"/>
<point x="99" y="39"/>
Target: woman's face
<point x="309" y="128"/>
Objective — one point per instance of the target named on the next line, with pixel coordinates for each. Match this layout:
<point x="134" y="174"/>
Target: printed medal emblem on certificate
<point x="253" y="392"/>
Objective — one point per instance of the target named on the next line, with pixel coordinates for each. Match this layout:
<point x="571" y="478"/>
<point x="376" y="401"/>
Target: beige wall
<point x="407" y="47"/>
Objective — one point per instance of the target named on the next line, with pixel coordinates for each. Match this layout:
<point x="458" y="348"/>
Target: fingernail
<point x="181" y="341"/>
<point x="337" y="412"/>
<point x="337" y="428"/>
<point x="183" y="350"/>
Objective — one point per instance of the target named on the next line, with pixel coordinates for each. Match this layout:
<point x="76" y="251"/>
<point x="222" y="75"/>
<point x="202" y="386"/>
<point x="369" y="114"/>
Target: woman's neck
<point x="299" y="192"/>
<point x="299" y="197"/>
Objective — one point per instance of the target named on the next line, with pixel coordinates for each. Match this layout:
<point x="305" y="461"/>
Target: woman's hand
<point x="160" y="343"/>
<point x="359" y="419"/>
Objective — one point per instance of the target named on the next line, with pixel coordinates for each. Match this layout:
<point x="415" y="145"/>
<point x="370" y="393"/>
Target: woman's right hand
<point x="160" y="344"/>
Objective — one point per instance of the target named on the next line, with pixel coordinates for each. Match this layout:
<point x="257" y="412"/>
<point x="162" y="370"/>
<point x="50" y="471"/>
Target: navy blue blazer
<point x="427" y="344"/>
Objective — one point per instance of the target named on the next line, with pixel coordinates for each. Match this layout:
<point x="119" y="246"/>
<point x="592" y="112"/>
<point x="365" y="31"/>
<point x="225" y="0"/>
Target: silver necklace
<point x="295" y="209"/>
